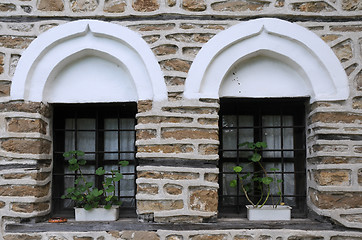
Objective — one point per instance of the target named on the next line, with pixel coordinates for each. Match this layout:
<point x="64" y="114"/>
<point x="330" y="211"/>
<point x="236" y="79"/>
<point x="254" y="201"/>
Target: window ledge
<point x="134" y="225"/>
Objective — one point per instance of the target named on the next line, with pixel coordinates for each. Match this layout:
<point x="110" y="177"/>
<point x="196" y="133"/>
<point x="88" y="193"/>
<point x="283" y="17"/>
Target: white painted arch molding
<point x="88" y="61"/>
<point x="259" y="50"/>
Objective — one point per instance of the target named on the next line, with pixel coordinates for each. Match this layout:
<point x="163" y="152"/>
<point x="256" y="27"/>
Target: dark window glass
<point x="106" y="133"/>
<point x="281" y="124"/>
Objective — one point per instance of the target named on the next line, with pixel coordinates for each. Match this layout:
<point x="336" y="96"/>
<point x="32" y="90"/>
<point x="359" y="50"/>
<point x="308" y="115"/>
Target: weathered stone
<point x="153" y="27"/>
<point x="360" y="176"/>
<point x="208" y="121"/>
<point x="357" y="103"/>
<point x="173" y="189"/>
<point x="145" y="5"/>
<point x="203" y="199"/>
<point x="240" y="5"/>
<point x="194" y="5"/>
<point x="29" y="207"/>
<point x="343" y="50"/>
<point x="171" y="3"/>
<point x="175" y="65"/>
<point x="166" y="148"/>
<point x="151" y="39"/>
<point x="208" y="149"/>
<point x="335" y="117"/>
<point x="346" y="28"/>
<point x="351" y="5"/>
<point x="159" y="119"/>
<point x="211" y="177"/>
<point x="208" y="237"/>
<point x="174" y="96"/>
<point x="333" y="200"/>
<point x="50" y="5"/>
<point x="25" y="107"/>
<point x="21" y="27"/>
<point x="7" y="7"/>
<point x="159" y="205"/>
<point x="179" y="219"/>
<point x="139" y="235"/>
<point x="191" y="51"/>
<point x="174" y="237"/>
<point x="145" y="134"/>
<point x="27" y="9"/>
<point x="168" y="175"/>
<point x="358" y="81"/>
<point x="144" y="106"/>
<point x="84" y="5"/>
<point x="243" y="237"/>
<point x="14" y="59"/>
<point x="352" y="217"/>
<point x="332" y="177"/>
<point x="279" y="3"/>
<point x="83" y="238"/>
<point x="4" y="86"/>
<point x="305" y="237"/>
<point x="265" y="237"/>
<point x="351" y="68"/>
<point x="191" y="110"/>
<point x="147" y="188"/>
<point x="174" y="81"/>
<point x="315" y="7"/>
<point x="188" y="133"/>
<point x="190" y="37"/>
<point x="22" y="237"/>
<point x="166" y="49"/>
<point x="117" y="234"/>
<point x="27" y="125"/>
<point x="35" y="176"/>
<point x="330" y="37"/>
<point x="329" y="148"/>
<point x="114" y="6"/>
<point x="39" y="146"/>
<point x="335" y="160"/>
<point x="46" y="27"/>
<point x="15" y="42"/>
<point x="24" y="190"/>
<point x="2" y="204"/>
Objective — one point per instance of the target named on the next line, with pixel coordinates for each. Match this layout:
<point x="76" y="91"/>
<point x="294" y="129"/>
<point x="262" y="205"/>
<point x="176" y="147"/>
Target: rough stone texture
<point x="208" y="149"/>
<point x="161" y="205"/>
<point x="315" y="7"/>
<point x="279" y="3"/>
<point x="152" y="38"/>
<point x="144" y="106"/>
<point x="39" y="146"/>
<point x="25" y="107"/>
<point x="84" y="5"/>
<point x="240" y="5"/>
<point x="191" y="51"/>
<point x="145" y="5"/>
<point x="7" y="7"/>
<point x="357" y="218"/>
<point x="176" y="65"/>
<point x="171" y="3"/>
<point x="139" y="235"/>
<point x="15" y="42"/>
<point x="334" y="200"/>
<point x="209" y="237"/>
<point x="2" y="204"/>
<point x="153" y="27"/>
<point x="175" y="81"/>
<point x="4" y="86"/>
<point x="351" y="5"/>
<point x="166" y="49"/>
<point x="50" y="5"/>
<point x="203" y="199"/>
<point x="194" y="5"/>
<point x="190" y="37"/>
<point x="168" y="175"/>
<point x="190" y="110"/>
<point x="173" y="189"/>
<point x="168" y="148"/>
<point x="305" y="237"/>
<point x="114" y="6"/>
<point x="145" y="134"/>
<point x="360" y="176"/>
<point x="83" y="238"/>
<point x="27" y="125"/>
<point x="336" y="117"/>
<point x="330" y="37"/>
<point x="36" y="176"/>
<point x="187" y="133"/>
<point x="22" y="237"/>
<point x="29" y="207"/>
<point x="158" y="119"/>
<point x="343" y="50"/>
<point x="14" y="59"/>
<point x="211" y="177"/>
<point x="24" y="190"/>
<point x="332" y="177"/>
<point x="174" y="237"/>
<point x="208" y="121"/>
<point x="243" y="237"/>
<point x="357" y="103"/>
<point x="346" y="28"/>
<point x="147" y="188"/>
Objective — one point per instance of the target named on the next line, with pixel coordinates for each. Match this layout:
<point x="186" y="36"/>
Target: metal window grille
<point x="281" y="124"/>
<point x="106" y="133"/>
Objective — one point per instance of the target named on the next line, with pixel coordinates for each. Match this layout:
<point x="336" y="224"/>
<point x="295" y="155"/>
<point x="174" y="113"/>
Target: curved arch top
<point x="291" y="45"/>
<point x="124" y="50"/>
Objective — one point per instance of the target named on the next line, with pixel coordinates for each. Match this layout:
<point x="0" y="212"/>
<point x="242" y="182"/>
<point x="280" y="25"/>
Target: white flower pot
<point x="269" y="213"/>
<point x="97" y="214"/>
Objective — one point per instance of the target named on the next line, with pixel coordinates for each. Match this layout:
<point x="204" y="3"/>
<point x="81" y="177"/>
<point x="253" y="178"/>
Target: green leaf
<point x="100" y="171"/>
<point x="108" y="206"/>
<point x="70" y="190"/>
<point x="255" y="157"/>
<point x="72" y="161"/>
<point x="279" y="181"/>
<point x="63" y="197"/>
<point x="274" y="169"/>
<point x="88" y="206"/>
<point x="66" y="154"/>
<point x="118" y="177"/>
<point x="80" y="153"/>
<point x="110" y="189"/>
<point x="233" y="183"/>
<point x="109" y="198"/>
<point x="89" y="184"/>
<point x="267" y="180"/>
<point x="260" y="145"/>
<point x="279" y="193"/>
<point x="237" y="169"/>
<point x="73" y="167"/>
<point x="124" y="163"/>
<point x="82" y="162"/>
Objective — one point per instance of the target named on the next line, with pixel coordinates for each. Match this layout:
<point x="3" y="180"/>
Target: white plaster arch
<point x="292" y="46"/>
<point x="112" y="46"/>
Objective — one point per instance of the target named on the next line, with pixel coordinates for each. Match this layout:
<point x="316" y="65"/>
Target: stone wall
<point x="177" y="140"/>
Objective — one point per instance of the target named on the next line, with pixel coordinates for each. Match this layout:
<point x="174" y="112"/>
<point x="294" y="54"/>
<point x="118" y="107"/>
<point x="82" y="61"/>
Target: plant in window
<point x="84" y="193"/>
<point x="259" y="181"/>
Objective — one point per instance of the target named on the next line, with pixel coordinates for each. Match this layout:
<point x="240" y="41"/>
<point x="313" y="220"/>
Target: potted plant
<point x="91" y="203"/>
<point x="262" y="181"/>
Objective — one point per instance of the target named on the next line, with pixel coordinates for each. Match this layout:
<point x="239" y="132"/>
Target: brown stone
<point x="46" y="27"/>
<point x="166" y="148"/>
<point x="191" y="51"/>
<point x="35" y="176"/>
<point x="335" y="160"/>
<point x="333" y="200"/>
<point x="174" y="237"/>
<point x="208" y="149"/>
<point x="24" y="190"/>
<point x="175" y="65"/>
<point x="171" y="3"/>
<point x="188" y="133"/>
<point x="305" y="237"/>
<point x="240" y="5"/>
<point x="190" y="37"/>
<point x="173" y="189"/>
<point x="203" y="199"/>
<point x="208" y="121"/>
<point x="208" y="237"/>
<point x="158" y="119"/>
<point x="168" y="175"/>
<point x="332" y="177"/>
<point x="351" y="68"/>
<point x="159" y="205"/>
<point x="29" y="207"/>
<point x="194" y="5"/>
<point x="117" y="234"/>
<point x="27" y="125"/>
<point x="2" y="204"/>
<point x="145" y="5"/>
<point x="7" y="7"/>
<point x="143" y="235"/>
<point x="175" y="81"/>
<point x="83" y="238"/>
<point x="145" y="134"/>
<point x="166" y="49"/>
<point x="25" y="107"/>
<point x="151" y="39"/>
<point x="144" y="106"/>
<point x="329" y="148"/>
<point x="4" y="86"/>
<point x="315" y="7"/>
<point x="243" y="237"/>
<point x="357" y="103"/>
<point x="22" y="237"/>
<point x="147" y="188"/>
<point x="15" y="42"/>
<point x="191" y="110"/>
<point x="351" y="5"/>
<point x="211" y="177"/>
<point x="84" y="5"/>
<point x="279" y="3"/>
<point x="358" y="81"/>
<point x="360" y="176"/>
<point x="39" y="146"/>
<point x="330" y="37"/>
<point x="343" y="50"/>
<point x="50" y="5"/>
<point x="335" y="117"/>
<point x="153" y="27"/>
<point x="346" y="28"/>
<point x="114" y="6"/>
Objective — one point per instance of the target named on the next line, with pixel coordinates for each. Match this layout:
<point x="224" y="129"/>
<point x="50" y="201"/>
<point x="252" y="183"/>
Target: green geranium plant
<point x="261" y="180"/>
<point x="84" y="193"/>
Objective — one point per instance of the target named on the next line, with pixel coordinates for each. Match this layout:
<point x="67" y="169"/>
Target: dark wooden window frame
<point x="257" y="108"/>
<point x="99" y="112"/>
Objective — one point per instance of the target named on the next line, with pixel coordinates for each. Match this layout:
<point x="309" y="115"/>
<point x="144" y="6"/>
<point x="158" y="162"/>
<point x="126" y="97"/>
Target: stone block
<point x="153" y="27"/>
<point x="14" y="59"/>
<point x="50" y="5"/>
<point x="330" y="37"/>
<point x="145" y="5"/>
<point x="208" y="121"/>
<point x="190" y="37"/>
<point x="344" y="50"/>
<point x="84" y="5"/>
<point x="4" y="86"/>
<point x="144" y="105"/>
<point x="305" y="237"/>
<point x="357" y="218"/>
<point x="175" y="81"/>
<point x="145" y="134"/>
<point x="211" y="177"/>
<point x="179" y="219"/>
<point x="332" y="177"/>
<point x="351" y="69"/>
<point x="335" y="117"/>
<point x="314" y="7"/>
<point x="176" y="65"/>
<point x="189" y="133"/>
<point x="345" y="238"/>
<point x="2" y="204"/>
<point x="194" y="5"/>
<point x="174" y="237"/>
<point x="171" y="3"/>
<point x="165" y="49"/>
<point x="279" y="3"/>
<point x="191" y="110"/>
<point x="351" y="5"/>
<point x="240" y="5"/>
<point x="191" y="51"/>
<point x="36" y="176"/>
<point x="173" y="189"/>
<point x="168" y="175"/>
<point x="82" y="238"/>
<point x="158" y="205"/>
<point x="208" y="237"/>
<point x="27" y="125"/>
<point x="243" y="237"/>
<point x="30" y="207"/>
<point x="39" y="146"/>
<point x="25" y="107"/>
<point x="167" y="148"/>
<point x="7" y="7"/>
<point x="147" y="188"/>
<point x="357" y="103"/>
<point x="114" y="6"/>
<point x="335" y="200"/>
<point x="151" y="39"/>
<point x="158" y="119"/>
<point x="208" y="149"/>
<point x="22" y="237"/>
<point x="346" y="28"/>
<point x="24" y="190"/>
<point x="15" y="42"/>
<point x="360" y="176"/>
<point x="203" y="199"/>
<point x="358" y="81"/>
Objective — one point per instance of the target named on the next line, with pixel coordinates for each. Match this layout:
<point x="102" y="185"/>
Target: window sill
<point x="133" y="224"/>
